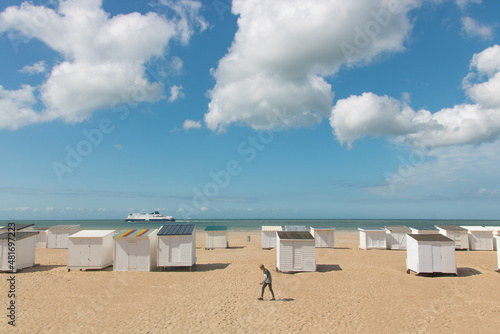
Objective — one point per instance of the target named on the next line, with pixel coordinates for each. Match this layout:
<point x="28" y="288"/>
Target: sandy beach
<point x="365" y="291"/>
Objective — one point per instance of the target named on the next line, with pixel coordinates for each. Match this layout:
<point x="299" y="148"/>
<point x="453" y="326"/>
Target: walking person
<point x="268" y="281"/>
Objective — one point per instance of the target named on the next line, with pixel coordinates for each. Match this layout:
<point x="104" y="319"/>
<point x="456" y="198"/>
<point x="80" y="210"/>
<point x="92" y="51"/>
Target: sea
<point x="256" y="224"/>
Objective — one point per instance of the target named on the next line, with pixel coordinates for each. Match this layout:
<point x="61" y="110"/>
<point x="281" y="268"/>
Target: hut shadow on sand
<point x="325" y="268"/>
<point x="210" y="266"/>
<point x="461" y="272"/>
<point x="39" y="267"/>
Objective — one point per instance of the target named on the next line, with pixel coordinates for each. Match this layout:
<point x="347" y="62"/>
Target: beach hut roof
<point x="492" y="228"/>
<point x="216" y="228"/>
<point x="19" y="235"/>
<point x="424" y="228"/>
<point x="475" y="228"/>
<point x="430" y="237"/>
<point x="374" y="229"/>
<point x="295" y="235"/>
<point x="17" y="226"/>
<point x="63" y="227"/>
<point x="134" y="233"/>
<point x="398" y="229"/>
<point x="38" y="228"/>
<point x="177" y="229"/>
<point x="296" y="228"/>
<point x="91" y="233"/>
<point x="450" y="227"/>
<point x="323" y="228"/>
<point x="272" y="228"/>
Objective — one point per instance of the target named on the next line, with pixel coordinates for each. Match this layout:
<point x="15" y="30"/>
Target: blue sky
<point x="250" y="109"/>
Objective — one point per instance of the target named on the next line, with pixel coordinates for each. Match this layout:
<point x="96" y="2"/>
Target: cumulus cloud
<point x="471" y="28"/>
<point x="368" y="114"/>
<point x="284" y="49"/>
<point x="16" y="107"/>
<point x="103" y="57"/>
<point x="190" y="124"/>
<point x="36" y="68"/>
<point x="175" y="93"/>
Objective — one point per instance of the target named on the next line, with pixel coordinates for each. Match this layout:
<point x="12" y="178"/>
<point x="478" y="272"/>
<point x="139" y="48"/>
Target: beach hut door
<point x="175" y="250"/>
<point x="59" y="240"/>
<point x="437" y="261"/>
<point x="132" y="255"/>
<point x="297" y="255"/>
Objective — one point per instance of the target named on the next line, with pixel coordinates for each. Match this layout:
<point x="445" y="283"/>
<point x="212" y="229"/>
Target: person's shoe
<point x="273" y="299"/>
<point x="260" y="298"/>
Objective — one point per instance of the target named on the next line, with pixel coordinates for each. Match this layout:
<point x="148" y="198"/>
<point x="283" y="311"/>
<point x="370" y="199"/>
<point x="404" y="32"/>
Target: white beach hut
<point x="296" y="228"/>
<point x="58" y="236"/>
<point x="493" y="229"/>
<point x="396" y="236"/>
<point x="455" y="233"/>
<point x="497" y="237"/>
<point x="479" y="238"/>
<point x="41" y="238"/>
<point x="323" y="236"/>
<point x="295" y="251"/>
<point x="269" y="236"/>
<point x="177" y="245"/>
<point x="424" y="230"/>
<point x="24" y="251"/>
<point x="135" y="250"/>
<point x="216" y="237"/>
<point x="90" y="249"/>
<point x="430" y="253"/>
<point x="372" y="238"/>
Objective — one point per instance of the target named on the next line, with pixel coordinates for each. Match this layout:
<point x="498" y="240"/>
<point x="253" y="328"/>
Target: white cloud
<point x="49" y="208"/>
<point x="283" y="50"/>
<point x="36" y="68"/>
<point x="488" y="192"/>
<point x="190" y="124"/>
<point x="369" y="114"/>
<point x="16" y="107"/>
<point x="464" y="3"/>
<point x="103" y="57"/>
<point x="118" y="147"/>
<point x="473" y="29"/>
<point x="175" y="93"/>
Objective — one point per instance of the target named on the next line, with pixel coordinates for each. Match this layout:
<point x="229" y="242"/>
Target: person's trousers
<point x="270" y="289"/>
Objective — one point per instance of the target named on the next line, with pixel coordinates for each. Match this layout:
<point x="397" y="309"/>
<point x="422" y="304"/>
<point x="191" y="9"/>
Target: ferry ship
<point x="149" y="217"/>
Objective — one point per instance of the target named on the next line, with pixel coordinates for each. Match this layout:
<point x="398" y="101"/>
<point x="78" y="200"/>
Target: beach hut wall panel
<point x="58" y="236"/>
<point x="135" y="250"/>
<point x="295" y="251"/>
<point x="455" y="233"/>
<point x="493" y="229"/>
<point x="372" y="238"/>
<point x="269" y="236"/>
<point x="90" y="249"/>
<point x="424" y="230"/>
<point x="25" y="251"/>
<point x="216" y="237"/>
<point x="177" y="245"/>
<point x="430" y="253"/>
<point x="324" y="236"/>
<point x="479" y="238"/>
<point x="396" y="236"/>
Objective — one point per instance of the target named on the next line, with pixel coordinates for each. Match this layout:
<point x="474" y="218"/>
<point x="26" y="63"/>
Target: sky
<point x="331" y="109"/>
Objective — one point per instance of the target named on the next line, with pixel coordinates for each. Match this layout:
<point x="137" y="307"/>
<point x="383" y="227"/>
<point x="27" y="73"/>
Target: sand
<point x="366" y="291"/>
